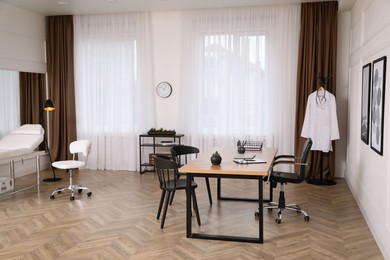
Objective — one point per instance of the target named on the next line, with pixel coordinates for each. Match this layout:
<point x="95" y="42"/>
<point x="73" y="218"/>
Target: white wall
<point x="368" y="173"/>
<point x="22" y="35"/>
<point x="342" y="91"/>
<point x="166" y="39"/>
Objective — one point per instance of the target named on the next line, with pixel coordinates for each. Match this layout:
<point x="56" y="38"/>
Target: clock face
<point x="164" y="89"/>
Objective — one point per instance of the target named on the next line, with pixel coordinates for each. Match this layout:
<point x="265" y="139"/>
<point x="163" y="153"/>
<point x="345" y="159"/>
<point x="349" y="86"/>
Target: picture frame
<point x="365" y="105"/>
<point x="378" y="104"/>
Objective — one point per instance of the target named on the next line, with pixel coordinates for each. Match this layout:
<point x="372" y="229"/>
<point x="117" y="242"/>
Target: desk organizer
<point x="253" y="145"/>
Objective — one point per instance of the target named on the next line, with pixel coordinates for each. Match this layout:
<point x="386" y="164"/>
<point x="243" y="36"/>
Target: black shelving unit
<point x="153" y="141"/>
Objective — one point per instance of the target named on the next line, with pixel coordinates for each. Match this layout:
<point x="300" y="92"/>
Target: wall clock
<point x="164" y="89"/>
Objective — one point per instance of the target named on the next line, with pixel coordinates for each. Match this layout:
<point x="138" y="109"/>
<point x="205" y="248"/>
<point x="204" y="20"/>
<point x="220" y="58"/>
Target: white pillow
<point x="29" y="129"/>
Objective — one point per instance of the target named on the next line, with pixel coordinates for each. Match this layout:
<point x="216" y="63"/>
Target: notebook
<point x="248" y="161"/>
<point x="244" y="156"/>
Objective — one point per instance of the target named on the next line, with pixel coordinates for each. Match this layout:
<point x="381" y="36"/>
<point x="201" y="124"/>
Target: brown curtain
<point x="60" y="72"/>
<point x="317" y="55"/>
<point x="32" y="95"/>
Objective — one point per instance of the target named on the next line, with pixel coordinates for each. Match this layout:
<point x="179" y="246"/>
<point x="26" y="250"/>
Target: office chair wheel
<point x="269" y="209"/>
<point x="52" y="197"/>
<point x="89" y="194"/>
<point x="306" y="218"/>
<point x="257" y="213"/>
<point x="72" y="198"/>
<point x="79" y="190"/>
<point x="278" y="221"/>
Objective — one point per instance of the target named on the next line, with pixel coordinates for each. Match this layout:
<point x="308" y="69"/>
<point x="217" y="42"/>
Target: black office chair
<point x="181" y="153"/>
<point x="169" y="182"/>
<point x="283" y="178"/>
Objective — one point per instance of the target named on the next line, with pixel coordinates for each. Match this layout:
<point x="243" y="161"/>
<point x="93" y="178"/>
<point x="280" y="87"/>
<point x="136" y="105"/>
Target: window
<point x="234" y="83"/>
<point x="239" y="76"/>
<point x="112" y="74"/>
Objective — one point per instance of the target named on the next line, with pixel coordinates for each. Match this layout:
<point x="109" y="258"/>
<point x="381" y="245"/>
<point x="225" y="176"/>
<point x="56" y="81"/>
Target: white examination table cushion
<point x="21" y="141"/>
<point x="29" y="129"/>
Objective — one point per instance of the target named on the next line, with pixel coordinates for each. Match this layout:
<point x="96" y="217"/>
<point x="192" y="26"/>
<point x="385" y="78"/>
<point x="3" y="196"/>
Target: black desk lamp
<point x="49" y="106"/>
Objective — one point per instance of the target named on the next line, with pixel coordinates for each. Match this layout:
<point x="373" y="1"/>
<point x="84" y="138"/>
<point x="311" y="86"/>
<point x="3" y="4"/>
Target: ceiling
<point x="68" y="7"/>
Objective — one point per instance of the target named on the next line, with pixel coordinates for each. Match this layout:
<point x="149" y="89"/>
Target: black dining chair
<point x="283" y="177"/>
<point x="167" y="171"/>
<point x="181" y="154"/>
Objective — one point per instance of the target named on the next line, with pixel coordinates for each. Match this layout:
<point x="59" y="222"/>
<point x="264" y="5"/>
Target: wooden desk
<point x="202" y="167"/>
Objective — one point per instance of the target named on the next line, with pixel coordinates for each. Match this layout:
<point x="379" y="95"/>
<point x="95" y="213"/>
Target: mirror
<point x="21" y="99"/>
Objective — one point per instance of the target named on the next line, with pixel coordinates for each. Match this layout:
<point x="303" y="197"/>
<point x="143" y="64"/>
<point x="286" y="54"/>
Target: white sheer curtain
<point x="9" y="101"/>
<point x="114" y="94"/>
<point x="239" y="76"/>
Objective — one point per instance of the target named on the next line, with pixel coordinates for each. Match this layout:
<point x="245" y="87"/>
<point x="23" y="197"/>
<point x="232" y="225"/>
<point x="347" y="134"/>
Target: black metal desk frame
<point x="189" y="233"/>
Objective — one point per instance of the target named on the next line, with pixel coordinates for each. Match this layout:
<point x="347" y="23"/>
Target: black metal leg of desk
<point x="189" y="234"/>
<point x="188" y="210"/>
<point x="261" y="224"/>
<point x="218" y="188"/>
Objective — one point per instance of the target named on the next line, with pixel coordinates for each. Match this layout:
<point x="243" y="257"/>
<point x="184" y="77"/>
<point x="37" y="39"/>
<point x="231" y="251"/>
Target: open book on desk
<point x="248" y="161"/>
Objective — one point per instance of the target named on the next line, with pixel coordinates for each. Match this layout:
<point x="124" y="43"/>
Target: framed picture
<point x="378" y="104"/>
<point x="365" y="113"/>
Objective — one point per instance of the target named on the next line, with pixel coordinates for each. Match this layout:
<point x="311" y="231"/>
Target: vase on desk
<point x="216" y="159"/>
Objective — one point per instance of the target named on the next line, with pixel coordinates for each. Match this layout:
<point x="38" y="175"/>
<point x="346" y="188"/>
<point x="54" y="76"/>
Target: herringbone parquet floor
<point x="119" y="222"/>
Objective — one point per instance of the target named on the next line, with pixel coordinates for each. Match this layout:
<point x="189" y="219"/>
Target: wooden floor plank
<point x="119" y="222"/>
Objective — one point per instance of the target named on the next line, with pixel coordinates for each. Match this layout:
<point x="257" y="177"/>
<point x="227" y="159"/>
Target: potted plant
<point x="161" y="131"/>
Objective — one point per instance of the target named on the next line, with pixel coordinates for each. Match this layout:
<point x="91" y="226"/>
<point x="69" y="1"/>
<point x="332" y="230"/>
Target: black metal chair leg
<point x="209" y="190"/>
<point x="196" y="207"/>
<point x="161" y="203"/>
<point x="172" y="195"/>
<point x="165" y="209"/>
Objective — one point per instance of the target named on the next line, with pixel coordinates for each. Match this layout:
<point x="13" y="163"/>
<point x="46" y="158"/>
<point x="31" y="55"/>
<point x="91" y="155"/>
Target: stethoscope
<point x="321" y="99"/>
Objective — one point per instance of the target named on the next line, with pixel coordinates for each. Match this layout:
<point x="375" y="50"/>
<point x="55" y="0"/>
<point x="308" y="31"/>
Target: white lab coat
<point x="320" y="123"/>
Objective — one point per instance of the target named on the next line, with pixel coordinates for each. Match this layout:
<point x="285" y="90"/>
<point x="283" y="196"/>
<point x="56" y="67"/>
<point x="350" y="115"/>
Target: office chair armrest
<point x="299" y="163"/>
<point x="290" y="159"/>
<point x="284" y="156"/>
<point x="283" y="162"/>
<point x="276" y="162"/>
<point x="288" y="162"/>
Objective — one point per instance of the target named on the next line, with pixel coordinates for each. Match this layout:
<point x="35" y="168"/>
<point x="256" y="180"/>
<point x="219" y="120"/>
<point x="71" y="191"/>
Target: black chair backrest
<point x="303" y="163"/>
<point x="166" y="171"/>
<point x="178" y="151"/>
